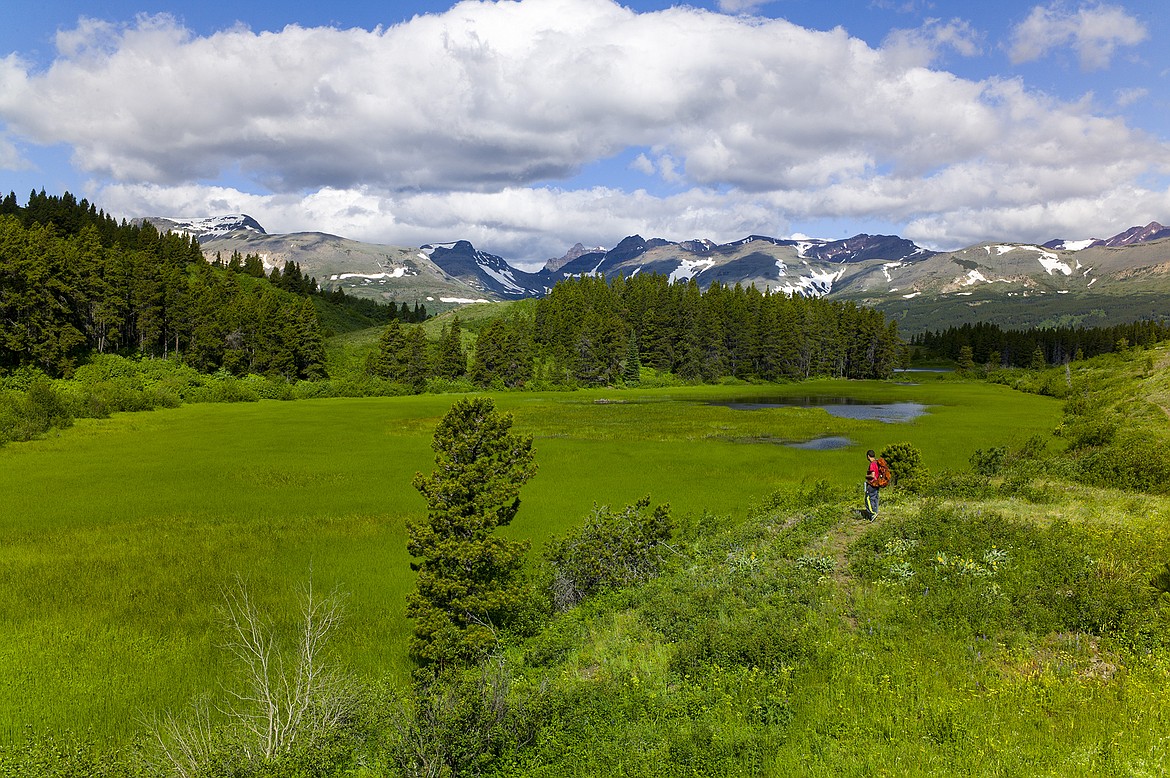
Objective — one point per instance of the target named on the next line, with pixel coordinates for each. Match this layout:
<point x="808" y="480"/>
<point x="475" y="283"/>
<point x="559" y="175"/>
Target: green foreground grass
<point x="1003" y="637"/>
<point x="119" y="536"/>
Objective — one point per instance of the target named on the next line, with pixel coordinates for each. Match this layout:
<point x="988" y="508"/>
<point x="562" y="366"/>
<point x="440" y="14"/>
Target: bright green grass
<point x="119" y="536"/>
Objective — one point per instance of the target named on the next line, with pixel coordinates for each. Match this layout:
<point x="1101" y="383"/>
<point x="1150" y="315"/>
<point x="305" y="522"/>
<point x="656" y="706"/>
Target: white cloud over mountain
<point x="453" y="126"/>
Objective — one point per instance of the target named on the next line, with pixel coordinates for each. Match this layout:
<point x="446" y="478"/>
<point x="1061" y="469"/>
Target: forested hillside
<point x="74" y="282"/>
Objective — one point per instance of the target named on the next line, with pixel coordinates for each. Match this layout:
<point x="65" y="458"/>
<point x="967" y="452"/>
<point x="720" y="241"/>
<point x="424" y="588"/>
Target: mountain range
<point x="1095" y="281"/>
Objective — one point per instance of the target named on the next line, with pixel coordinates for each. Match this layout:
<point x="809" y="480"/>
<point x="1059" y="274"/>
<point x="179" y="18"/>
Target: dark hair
<point x="871" y="454"/>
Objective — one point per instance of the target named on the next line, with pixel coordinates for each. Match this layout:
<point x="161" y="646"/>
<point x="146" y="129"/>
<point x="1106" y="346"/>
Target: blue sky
<point x="529" y="126"/>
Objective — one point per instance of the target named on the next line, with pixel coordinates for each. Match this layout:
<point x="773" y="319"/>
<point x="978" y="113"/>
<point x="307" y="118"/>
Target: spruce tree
<point x="632" y="370"/>
<point x="1038" y="361"/>
<point x="416" y="360"/>
<point x="966" y="360"/>
<point x="387" y="361"/>
<point x="469" y="584"/>
<point x="450" y="359"/>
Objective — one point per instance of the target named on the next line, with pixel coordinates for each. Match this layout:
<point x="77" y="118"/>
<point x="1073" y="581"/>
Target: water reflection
<point x="842" y="407"/>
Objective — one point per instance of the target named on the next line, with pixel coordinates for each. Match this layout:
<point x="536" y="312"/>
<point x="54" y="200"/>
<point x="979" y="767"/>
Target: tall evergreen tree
<point x="416" y="360"/>
<point x="469" y="584"/>
<point x="450" y="359"/>
<point x="387" y="361"/>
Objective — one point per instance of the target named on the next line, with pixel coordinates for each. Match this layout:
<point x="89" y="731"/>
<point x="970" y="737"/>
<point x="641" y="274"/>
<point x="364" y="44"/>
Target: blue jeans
<point x="871" y="499"/>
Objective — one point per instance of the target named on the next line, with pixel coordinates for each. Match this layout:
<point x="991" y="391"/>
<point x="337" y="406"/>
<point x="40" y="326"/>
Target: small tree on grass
<point x="904" y="460"/>
<point x="468" y="579"/>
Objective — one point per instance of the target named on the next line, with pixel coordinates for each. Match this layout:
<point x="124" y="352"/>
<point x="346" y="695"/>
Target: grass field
<point x="118" y="537"/>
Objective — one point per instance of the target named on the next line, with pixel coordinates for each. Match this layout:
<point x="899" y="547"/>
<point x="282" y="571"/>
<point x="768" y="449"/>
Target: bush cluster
<point x="29" y="414"/>
<point x="610" y="550"/>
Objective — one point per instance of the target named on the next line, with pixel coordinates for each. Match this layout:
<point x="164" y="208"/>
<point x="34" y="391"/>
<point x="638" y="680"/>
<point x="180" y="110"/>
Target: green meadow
<point x="119" y="537"/>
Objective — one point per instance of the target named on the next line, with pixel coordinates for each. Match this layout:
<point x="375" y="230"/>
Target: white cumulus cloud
<point x="1094" y="31"/>
<point x="472" y="124"/>
<point x="924" y="44"/>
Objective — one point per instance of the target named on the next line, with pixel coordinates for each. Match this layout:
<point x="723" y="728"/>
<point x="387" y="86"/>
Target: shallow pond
<point x="843" y="407"/>
<point x="831" y="443"/>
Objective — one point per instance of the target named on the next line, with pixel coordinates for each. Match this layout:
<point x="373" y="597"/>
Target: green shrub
<point x="28" y="415"/>
<point x="988" y="462"/>
<point x="963" y="484"/>
<point x="1136" y="461"/>
<point x="1019" y="485"/>
<point x="904" y="460"/>
<point x="610" y="550"/>
<point x="463" y="722"/>
<point x="767" y="638"/>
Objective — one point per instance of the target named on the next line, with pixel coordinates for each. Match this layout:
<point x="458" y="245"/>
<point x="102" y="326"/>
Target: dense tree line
<point x="991" y="344"/>
<point x="589" y="330"/>
<point x="73" y="282"/>
<point x="595" y="332"/>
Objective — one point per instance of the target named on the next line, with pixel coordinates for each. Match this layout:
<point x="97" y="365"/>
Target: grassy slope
<point x="767" y="653"/>
<point x="804" y="642"/>
<point x="119" y="536"/>
<point x="346" y="353"/>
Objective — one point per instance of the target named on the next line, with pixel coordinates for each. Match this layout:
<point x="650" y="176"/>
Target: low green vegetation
<point x="223" y="590"/>
<point x="121" y="534"/>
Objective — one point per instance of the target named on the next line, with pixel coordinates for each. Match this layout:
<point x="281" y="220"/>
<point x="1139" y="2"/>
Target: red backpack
<point x="883" y="476"/>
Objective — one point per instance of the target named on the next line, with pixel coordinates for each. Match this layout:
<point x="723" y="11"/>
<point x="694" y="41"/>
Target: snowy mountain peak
<point x="207" y="227"/>
<point x="1152" y="231"/>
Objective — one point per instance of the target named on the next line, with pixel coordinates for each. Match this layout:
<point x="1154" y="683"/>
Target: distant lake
<point x="842" y="407"/>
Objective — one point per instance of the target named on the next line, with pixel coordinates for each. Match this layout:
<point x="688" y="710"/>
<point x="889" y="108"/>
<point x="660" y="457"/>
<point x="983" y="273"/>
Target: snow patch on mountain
<point x="1052" y="264"/>
<point x="503" y="277"/>
<point x="429" y="249"/>
<point x="816" y="284"/>
<point x="689" y="268"/>
<point x="398" y="272"/>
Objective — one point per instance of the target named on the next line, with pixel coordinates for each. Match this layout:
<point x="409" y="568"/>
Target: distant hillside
<point x="1092" y="281"/>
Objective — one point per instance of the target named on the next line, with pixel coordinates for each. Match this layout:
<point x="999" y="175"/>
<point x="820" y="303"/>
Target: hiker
<point x="872" y="481"/>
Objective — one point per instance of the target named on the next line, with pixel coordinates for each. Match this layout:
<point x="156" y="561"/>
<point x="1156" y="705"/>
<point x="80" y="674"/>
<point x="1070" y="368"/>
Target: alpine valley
<point x="1089" y="282"/>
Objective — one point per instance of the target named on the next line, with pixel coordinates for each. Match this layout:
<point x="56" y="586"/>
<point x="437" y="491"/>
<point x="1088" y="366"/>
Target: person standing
<point x="871" y="487"/>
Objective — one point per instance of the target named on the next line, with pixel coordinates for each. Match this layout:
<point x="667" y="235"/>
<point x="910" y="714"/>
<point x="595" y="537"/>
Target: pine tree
<point x="386" y="362"/>
<point x="966" y="360"/>
<point x="450" y="359"/>
<point x="469" y="584"/>
<point x="632" y="370"/>
<point x="309" y="342"/>
<point x="1038" y="361"/>
<point x="416" y="360"/>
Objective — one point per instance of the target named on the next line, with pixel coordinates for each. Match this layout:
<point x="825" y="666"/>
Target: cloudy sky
<point x="528" y="126"/>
